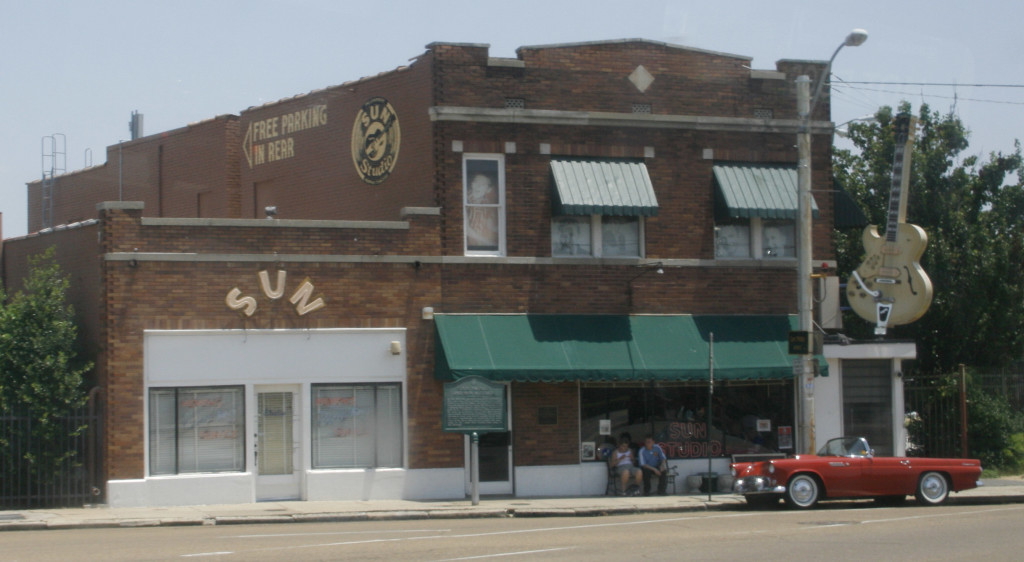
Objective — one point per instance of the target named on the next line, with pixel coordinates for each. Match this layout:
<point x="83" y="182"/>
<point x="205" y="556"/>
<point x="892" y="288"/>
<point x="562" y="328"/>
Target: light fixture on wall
<point x="396" y="348"/>
<point x="428" y="313"/>
<point x="271" y="211"/>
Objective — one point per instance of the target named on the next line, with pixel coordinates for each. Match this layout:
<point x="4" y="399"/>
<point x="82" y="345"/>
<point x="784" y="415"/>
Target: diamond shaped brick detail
<point x="641" y="78"/>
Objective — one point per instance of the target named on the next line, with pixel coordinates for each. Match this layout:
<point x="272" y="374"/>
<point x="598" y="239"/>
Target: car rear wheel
<point x="803" y="491"/>
<point x="932" y="489"/>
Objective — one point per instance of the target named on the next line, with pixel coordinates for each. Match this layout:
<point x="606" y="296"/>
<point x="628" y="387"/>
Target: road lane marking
<point x="500" y="554"/>
<point x="272" y="535"/>
<point x="617" y="524"/>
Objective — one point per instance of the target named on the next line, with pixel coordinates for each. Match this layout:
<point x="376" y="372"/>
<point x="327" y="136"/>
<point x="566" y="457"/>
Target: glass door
<point x="277" y="444"/>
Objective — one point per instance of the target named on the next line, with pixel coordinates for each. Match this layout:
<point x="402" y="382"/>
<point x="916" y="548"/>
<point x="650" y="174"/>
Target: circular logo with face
<point x="375" y="140"/>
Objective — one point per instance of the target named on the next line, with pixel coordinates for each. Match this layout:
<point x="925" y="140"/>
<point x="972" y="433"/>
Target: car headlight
<point x="732" y="470"/>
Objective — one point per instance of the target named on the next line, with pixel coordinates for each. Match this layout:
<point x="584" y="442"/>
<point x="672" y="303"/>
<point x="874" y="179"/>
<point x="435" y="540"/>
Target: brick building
<point x="276" y="299"/>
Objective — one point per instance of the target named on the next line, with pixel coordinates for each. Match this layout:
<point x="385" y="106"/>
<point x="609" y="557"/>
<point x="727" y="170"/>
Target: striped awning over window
<point x="757" y="190"/>
<point x="603" y="187"/>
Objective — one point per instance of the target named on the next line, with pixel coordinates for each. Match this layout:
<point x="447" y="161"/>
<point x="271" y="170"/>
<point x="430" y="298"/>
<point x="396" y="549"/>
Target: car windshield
<point x="845" y="447"/>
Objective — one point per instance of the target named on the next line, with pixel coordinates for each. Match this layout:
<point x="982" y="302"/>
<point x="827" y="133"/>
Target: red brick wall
<point x="535" y="444"/>
<point x="594" y="77"/>
<point x="78" y="257"/>
<point x="168" y="171"/>
<point x="320" y="181"/>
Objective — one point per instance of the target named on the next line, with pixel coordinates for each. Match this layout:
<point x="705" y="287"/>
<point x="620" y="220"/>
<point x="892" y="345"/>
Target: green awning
<point x="846" y="212"/>
<point x="757" y="190"/>
<point x="603" y="187"/>
<point x="598" y="348"/>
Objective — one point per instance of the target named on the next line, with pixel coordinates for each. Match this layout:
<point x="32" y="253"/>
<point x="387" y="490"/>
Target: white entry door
<point x="278" y="442"/>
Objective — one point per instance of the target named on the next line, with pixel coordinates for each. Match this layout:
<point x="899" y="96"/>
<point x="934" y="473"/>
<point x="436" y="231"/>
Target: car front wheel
<point x="932" y="489"/>
<point x="803" y="491"/>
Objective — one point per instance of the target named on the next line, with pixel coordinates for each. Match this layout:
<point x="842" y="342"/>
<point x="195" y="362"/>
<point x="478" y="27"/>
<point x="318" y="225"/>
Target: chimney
<point x="135" y="126"/>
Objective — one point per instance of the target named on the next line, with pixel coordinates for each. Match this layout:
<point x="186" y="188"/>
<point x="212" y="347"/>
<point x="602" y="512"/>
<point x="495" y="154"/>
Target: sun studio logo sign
<point x="375" y="140"/>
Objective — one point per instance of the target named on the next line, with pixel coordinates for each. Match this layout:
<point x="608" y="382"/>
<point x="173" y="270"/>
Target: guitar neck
<point x="900" y="175"/>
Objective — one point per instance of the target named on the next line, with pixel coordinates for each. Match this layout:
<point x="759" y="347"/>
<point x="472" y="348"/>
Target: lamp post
<point x="804" y="108"/>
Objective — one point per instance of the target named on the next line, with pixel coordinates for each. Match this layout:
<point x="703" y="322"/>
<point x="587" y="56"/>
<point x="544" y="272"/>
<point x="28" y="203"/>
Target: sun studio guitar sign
<point x="890" y="288"/>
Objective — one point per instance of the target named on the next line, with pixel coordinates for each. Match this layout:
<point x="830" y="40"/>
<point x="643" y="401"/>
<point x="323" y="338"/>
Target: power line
<point x="958" y="98"/>
<point x="953" y="84"/>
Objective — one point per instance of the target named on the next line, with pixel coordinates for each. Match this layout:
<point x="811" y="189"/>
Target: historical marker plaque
<point x="474" y="404"/>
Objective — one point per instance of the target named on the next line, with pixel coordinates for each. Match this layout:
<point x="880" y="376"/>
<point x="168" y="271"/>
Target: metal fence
<point x="933" y="404"/>
<point x="36" y="472"/>
<point x="1008" y="385"/>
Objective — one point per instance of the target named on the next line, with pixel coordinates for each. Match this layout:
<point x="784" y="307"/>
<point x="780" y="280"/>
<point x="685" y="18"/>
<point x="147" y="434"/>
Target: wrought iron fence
<point x="59" y="470"/>
<point x="933" y="407"/>
<point x="1008" y="385"/>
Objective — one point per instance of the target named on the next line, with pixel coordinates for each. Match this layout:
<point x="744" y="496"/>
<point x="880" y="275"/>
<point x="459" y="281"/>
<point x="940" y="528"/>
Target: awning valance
<point x="603" y="187"/>
<point x="604" y="348"/>
<point x="757" y="190"/>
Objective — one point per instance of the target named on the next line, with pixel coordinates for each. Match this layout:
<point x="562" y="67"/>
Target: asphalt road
<point x="837" y="531"/>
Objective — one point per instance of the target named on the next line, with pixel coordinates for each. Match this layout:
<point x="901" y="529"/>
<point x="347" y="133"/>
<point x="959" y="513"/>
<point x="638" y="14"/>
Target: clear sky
<point x="79" y="68"/>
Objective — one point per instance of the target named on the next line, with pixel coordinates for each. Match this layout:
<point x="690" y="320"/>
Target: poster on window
<point x="482" y="205"/>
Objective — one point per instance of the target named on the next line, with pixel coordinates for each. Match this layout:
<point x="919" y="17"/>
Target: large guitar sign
<point x="890" y="288"/>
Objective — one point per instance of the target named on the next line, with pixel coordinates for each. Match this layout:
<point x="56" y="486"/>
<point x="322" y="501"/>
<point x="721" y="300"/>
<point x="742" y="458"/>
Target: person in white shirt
<point x="624" y="464"/>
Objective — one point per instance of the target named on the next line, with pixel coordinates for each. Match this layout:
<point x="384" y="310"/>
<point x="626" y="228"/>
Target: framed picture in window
<point x="483" y="184"/>
<point x="588" y="451"/>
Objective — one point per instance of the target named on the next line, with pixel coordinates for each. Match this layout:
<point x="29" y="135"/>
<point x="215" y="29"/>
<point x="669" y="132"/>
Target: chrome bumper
<point x="756" y="485"/>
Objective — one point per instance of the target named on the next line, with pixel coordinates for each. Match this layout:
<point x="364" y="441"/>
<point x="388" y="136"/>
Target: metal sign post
<point x="474" y="405"/>
<point x="474" y="471"/>
<point x="711" y="394"/>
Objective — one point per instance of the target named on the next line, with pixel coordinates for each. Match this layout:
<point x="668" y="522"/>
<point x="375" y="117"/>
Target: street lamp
<point x="804" y="108"/>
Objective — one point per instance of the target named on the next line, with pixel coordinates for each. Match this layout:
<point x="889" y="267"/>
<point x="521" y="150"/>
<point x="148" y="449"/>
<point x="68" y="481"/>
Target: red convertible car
<point x="847" y="468"/>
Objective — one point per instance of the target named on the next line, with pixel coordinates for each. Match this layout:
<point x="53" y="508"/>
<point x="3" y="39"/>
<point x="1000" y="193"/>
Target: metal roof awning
<point x="848" y="213"/>
<point x="608" y="348"/>
<point x="603" y="187"/>
<point x="757" y="190"/>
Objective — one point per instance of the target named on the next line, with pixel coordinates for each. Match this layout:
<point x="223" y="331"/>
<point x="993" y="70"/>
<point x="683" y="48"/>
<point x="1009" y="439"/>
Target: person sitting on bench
<point x="623" y="463"/>
<point x="653" y="463"/>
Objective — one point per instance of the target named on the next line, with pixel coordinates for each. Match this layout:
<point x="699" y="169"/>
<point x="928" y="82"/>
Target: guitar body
<point x="891" y="271"/>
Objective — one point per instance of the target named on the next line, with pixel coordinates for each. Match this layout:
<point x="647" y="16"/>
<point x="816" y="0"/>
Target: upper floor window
<point x="755" y="238"/>
<point x="599" y="207"/>
<point x="755" y="211"/>
<point x="596" y="235"/>
<point x="484" y="204"/>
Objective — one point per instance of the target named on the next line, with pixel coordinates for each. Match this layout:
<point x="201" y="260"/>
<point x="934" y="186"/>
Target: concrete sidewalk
<point x="994" y="491"/>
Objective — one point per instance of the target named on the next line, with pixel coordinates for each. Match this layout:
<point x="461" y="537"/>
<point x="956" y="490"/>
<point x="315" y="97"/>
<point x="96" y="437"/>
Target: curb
<point x="409" y="515"/>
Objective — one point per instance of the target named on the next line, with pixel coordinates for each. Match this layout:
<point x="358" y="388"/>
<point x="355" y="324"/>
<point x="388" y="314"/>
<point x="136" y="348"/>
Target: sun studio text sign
<point x="474" y="404"/>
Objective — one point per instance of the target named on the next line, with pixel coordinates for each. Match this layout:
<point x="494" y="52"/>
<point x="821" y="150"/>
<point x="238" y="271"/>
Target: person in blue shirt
<point x="653" y="462"/>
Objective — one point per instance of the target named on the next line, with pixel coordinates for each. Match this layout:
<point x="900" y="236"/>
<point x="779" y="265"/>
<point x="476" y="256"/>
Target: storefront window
<point x="357" y="426"/>
<point x="746" y="418"/>
<point x="196" y="430"/>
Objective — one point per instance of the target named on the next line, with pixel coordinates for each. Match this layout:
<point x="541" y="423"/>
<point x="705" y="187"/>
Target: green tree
<point x="40" y="375"/>
<point x="973" y="211"/>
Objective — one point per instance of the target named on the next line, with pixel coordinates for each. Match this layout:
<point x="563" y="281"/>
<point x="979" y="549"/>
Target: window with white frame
<point x="484" y="204"/>
<point x="596" y="236"/>
<point x="357" y="425"/>
<point x="196" y="429"/>
<point x="755" y="237"/>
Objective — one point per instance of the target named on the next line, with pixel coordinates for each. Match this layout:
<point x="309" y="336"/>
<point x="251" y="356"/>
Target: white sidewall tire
<point x="803" y="491"/>
<point x="932" y="489"/>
